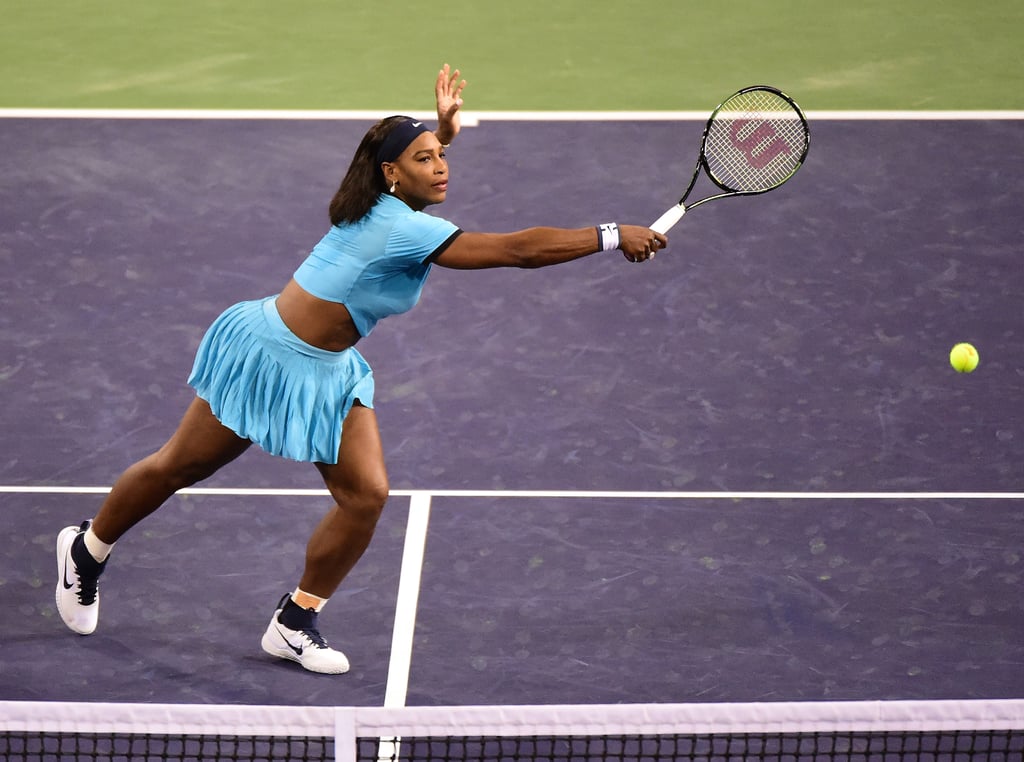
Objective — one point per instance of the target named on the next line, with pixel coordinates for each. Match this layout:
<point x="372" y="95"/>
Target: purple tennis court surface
<point x="794" y="342"/>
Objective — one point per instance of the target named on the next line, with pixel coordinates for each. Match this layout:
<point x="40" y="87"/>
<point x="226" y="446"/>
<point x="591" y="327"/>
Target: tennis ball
<point x="963" y="357"/>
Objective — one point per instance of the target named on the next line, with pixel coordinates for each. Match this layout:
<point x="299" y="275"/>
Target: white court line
<point x="552" y="494"/>
<point x="404" y="629"/>
<point x="408" y="599"/>
<point x="473" y="118"/>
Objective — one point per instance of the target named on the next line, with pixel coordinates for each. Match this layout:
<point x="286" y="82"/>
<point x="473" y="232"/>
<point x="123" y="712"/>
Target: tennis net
<point x="882" y="731"/>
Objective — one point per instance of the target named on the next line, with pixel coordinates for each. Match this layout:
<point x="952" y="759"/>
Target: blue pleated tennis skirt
<point x="267" y="385"/>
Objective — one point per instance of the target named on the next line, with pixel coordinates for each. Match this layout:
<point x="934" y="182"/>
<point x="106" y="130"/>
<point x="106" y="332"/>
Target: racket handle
<point x="666" y="221"/>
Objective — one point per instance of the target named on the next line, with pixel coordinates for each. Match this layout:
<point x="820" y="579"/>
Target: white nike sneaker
<point x="307" y="647"/>
<point x="78" y="595"/>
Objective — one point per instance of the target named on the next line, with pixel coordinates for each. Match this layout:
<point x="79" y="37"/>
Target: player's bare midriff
<point x="326" y="325"/>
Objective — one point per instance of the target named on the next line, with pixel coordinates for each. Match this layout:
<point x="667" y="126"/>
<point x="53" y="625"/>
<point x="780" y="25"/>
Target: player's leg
<point x="358" y="484"/>
<point x="199" y="447"/>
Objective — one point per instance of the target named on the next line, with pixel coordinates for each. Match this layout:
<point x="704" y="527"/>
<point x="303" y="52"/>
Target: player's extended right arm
<point x="542" y="247"/>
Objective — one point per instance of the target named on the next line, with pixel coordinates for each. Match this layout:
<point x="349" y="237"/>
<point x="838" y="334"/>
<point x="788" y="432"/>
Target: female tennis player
<point x="284" y="372"/>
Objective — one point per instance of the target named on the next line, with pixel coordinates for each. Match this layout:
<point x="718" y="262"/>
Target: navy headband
<point x="399" y="139"/>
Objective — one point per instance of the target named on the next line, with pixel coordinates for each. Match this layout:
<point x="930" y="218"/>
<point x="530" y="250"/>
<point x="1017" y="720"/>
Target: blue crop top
<point x="377" y="266"/>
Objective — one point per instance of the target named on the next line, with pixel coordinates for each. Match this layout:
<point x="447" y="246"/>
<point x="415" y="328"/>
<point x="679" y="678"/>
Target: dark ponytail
<point x="364" y="182"/>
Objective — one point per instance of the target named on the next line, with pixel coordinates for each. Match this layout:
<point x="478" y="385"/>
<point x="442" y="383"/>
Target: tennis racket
<point x="754" y="141"/>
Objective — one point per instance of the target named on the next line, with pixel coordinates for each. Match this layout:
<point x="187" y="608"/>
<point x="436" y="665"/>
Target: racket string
<point x="756" y="140"/>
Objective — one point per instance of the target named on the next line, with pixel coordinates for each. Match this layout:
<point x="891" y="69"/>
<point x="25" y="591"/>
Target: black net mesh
<point x="955" y="746"/>
<point x="141" y="747"/>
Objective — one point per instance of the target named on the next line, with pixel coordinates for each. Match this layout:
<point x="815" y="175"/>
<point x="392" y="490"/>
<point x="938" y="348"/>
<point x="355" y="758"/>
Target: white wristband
<point x="608" y="236"/>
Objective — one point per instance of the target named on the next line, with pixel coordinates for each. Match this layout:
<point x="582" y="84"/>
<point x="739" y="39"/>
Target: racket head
<point x="755" y="140"/>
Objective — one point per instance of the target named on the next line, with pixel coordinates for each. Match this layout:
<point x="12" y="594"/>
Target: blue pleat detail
<point x="269" y="386"/>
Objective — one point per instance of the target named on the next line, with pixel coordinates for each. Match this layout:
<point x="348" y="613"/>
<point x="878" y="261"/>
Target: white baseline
<point x="473" y="118"/>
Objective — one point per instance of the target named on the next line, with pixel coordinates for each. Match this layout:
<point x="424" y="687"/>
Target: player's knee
<point x="373" y="499"/>
<point x="364" y="502"/>
<point x="178" y="474"/>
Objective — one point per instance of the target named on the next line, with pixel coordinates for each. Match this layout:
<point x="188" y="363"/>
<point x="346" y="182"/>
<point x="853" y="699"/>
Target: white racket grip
<point x="666" y="221"/>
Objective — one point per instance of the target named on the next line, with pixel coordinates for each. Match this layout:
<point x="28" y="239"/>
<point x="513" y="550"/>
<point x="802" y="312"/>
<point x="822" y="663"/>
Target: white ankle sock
<point x="96" y="547"/>
<point x="308" y="601"/>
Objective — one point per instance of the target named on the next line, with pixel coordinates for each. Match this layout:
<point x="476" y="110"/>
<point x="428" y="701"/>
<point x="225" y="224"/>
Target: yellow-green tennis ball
<point x="963" y="357"/>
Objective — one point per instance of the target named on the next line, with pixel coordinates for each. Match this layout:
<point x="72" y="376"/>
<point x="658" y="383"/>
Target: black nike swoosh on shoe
<point x="67" y="585"/>
<point x="296" y="649"/>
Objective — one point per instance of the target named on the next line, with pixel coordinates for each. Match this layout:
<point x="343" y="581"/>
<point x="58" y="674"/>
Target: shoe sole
<point x="64" y="540"/>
